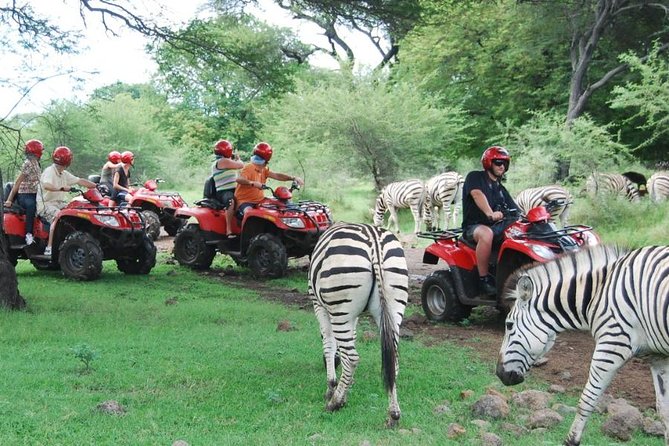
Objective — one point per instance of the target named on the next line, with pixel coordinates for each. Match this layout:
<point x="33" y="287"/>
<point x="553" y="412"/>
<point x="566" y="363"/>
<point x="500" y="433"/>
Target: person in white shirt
<point x="56" y="183"/>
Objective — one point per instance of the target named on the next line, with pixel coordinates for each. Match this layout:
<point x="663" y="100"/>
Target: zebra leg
<point x="393" y="218"/>
<point x="660" y="370"/>
<point x="349" y="361"/>
<point x="329" y="347"/>
<point x="603" y="368"/>
<point x="415" y="211"/>
<point x="447" y="215"/>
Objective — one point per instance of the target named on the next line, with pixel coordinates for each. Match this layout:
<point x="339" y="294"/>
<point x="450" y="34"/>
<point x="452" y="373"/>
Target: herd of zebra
<point x="442" y="194"/>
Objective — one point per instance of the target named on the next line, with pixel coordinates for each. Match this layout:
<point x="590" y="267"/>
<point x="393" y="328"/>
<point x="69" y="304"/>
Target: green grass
<point x="191" y="358"/>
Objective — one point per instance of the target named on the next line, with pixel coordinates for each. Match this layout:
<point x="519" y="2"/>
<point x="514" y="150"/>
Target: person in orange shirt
<point x="254" y="175"/>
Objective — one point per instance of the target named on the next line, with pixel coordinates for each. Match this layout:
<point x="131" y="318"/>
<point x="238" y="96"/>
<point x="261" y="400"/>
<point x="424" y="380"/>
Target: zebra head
<point x="526" y="337"/>
<point x="379" y="210"/>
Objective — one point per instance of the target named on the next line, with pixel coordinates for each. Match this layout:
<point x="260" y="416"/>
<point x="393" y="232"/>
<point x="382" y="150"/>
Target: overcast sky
<point x="109" y="58"/>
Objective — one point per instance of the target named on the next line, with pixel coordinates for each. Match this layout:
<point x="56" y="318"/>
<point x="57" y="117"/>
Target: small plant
<point x="85" y="354"/>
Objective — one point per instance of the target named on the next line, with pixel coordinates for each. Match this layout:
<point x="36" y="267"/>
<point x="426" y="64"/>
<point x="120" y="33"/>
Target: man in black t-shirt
<point x="483" y="199"/>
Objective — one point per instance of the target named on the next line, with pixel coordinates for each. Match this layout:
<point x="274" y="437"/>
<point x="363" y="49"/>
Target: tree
<point x="648" y="94"/>
<point x="383" y="22"/>
<point x="368" y="127"/>
<point x="259" y="63"/>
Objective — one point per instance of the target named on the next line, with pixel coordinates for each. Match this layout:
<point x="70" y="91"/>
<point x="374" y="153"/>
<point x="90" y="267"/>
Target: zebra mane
<point x="597" y="256"/>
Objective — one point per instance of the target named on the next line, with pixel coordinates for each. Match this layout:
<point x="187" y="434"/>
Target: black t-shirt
<point x="497" y="195"/>
<point x="123" y="180"/>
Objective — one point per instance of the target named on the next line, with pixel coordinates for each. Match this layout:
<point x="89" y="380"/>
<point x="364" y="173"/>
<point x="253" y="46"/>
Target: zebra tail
<point x="388" y="336"/>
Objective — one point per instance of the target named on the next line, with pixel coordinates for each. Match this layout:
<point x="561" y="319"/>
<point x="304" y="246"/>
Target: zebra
<point x="620" y="296"/>
<point x="538" y="196"/>
<point x="612" y="183"/>
<point x="441" y="192"/>
<point x="658" y="186"/>
<point x="401" y="194"/>
<point x="358" y="267"/>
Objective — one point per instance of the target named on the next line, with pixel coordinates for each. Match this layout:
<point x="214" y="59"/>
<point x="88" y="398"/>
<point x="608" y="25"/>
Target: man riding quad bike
<point x="267" y="234"/>
<point x="86" y="233"/>
<point x="451" y="293"/>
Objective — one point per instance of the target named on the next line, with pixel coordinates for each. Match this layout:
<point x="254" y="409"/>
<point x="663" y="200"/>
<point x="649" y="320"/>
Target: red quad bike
<point x="87" y="232"/>
<point x="451" y="293"/>
<point x="158" y="208"/>
<point x="267" y="235"/>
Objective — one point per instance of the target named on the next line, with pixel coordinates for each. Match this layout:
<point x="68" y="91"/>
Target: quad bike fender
<point x="209" y="220"/>
<point x="141" y="201"/>
<point x="537" y="251"/>
<point x="452" y="254"/>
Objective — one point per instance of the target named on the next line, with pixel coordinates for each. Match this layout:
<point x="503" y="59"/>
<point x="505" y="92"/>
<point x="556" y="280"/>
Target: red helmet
<point x="263" y="150"/>
<point x="62" y="156"/>
<point x="114" y="157"/>
<point x="35" y="147"/>
<point x="495" y="153"/>
<point x="537" y="214"/>
<point x="283" y="193"/>
<point x="223" y="148"/>
<point x="127" y="157"/>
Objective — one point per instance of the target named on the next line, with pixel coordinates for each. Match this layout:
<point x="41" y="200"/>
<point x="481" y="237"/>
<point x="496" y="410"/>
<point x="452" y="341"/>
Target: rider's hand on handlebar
<point x="497" y="216"/>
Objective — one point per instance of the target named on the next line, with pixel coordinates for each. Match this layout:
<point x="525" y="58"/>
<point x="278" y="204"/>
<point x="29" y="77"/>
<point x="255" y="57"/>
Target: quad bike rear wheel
<point x="267" y="256"/>
<point x="143" y="261"/>
<point x="152" y="222"/>
<point x="191" y="250"/>
<point x="80" y="256"/>
<point x="439" y="299"/>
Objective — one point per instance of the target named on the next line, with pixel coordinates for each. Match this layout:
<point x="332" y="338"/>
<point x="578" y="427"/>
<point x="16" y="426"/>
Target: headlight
<point x="107" y="220"/>
<point x="590" y="238"/>
<point x="293" y="223"/>
<point x="542" y="251"/>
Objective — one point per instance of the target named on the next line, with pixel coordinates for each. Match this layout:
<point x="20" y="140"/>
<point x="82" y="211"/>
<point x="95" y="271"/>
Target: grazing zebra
<point x="442" y="191"/>
<point x="612" y="183"/>
<point x="539" y="196"/>
<point x="401" y="194"/>
<point x="658" y="186"/>
<point x="621" y="297"/>
<point x="358" y="267"/>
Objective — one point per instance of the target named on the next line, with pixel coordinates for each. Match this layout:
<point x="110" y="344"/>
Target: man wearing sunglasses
<point x="483" y="199"/>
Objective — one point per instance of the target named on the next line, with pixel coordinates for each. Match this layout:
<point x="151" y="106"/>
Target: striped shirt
<point x="224" y="179"/>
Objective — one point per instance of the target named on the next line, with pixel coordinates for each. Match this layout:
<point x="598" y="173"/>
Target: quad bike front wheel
<point x="143" y="260"/>
<point x="80" y="256"/>
<point x="439" y="299"/>
<point x="191" y="250"/>
<point x="172" y="225"/>
<point x="267" y="256"/>
<point x="152" y="222"/>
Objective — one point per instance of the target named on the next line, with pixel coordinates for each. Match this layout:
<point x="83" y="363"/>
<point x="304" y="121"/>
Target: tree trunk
<point x="9" y="287"/>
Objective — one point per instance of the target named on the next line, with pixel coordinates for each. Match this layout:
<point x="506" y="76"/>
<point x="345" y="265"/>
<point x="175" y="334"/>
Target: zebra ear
<point x="525" y="288"/>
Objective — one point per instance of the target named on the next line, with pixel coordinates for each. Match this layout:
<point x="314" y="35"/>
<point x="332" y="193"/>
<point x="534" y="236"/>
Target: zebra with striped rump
<point x="442" y="191"/>
<point x="356" y="268"/>
<point x="611" y="183"/>
<point x="658" y="186"/>
<point x="620" y="297"/>
<point x="539" y="196"/>
<point x="399" y="195"/>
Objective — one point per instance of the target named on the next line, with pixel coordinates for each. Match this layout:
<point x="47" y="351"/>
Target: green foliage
<point x="85" y="354"/>
<point x="538" y="145"/>
<point x="224" y="68"/>
<point x="649" y="94"/>
<point x="364" y="127"/>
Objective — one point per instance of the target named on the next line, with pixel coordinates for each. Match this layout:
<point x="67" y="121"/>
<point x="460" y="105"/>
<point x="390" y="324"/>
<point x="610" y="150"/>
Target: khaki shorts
<point x="50" y="210"/>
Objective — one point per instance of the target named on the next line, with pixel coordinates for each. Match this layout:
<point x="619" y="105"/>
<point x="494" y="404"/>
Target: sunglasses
<point x="504" y="163"/>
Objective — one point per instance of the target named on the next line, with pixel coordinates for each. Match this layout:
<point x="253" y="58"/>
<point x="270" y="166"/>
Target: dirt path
<point x="568" y="361"/>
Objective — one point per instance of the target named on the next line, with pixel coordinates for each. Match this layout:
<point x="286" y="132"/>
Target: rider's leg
<point x="483" y="237"/>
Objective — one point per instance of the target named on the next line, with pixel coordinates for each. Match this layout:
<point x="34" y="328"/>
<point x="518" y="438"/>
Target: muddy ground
<point x="568" y="361"/>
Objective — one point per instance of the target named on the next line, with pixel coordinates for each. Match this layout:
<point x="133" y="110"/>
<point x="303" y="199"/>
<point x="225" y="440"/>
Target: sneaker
<point x="29" y="239"/>
<point x="47" y="251"/>
<point x="486" y="286"/>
